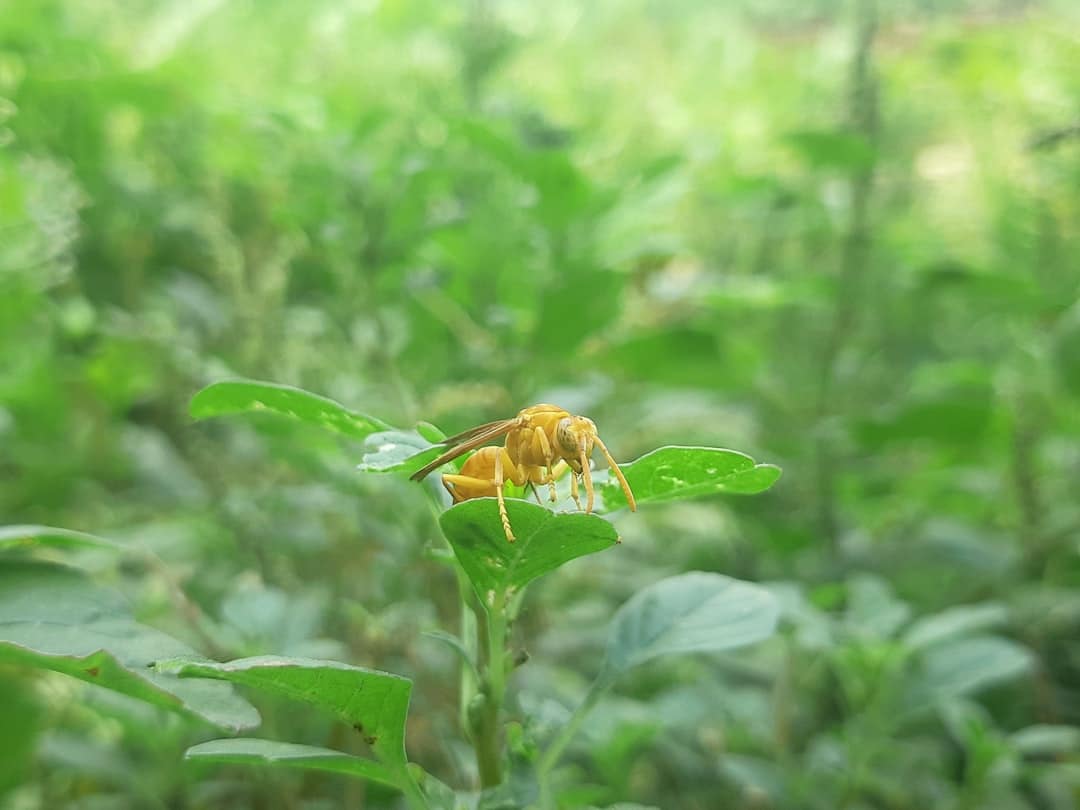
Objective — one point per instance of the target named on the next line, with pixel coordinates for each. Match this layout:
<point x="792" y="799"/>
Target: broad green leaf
<point x="694" y="612"/>
<point x="1046" y="740"/>
<point x="23" y="537"/>
<point x="374" y="703"/>
<point x="956" y="621"/>
<point x="673" y="473"/>
<point x="966" y="666"/>
<point x="290" y="755"/>
<point x="252" y="396"/>
<point x="544" y="541"/>
<point x="54" y="617"/>
<point x="873" y="611"/>
<point x="396" y="450"/>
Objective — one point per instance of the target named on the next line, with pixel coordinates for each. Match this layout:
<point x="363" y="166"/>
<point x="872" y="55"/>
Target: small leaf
<point x="430" y="432"/>
<point x="53" y="617"/>
<point x="252" y="396"/>
<point x="290" y="755"/>
<point x="694" y="612"/>
<point x="396" y="450"/>
<point x="21" y="537"/>
<point x="545" y="540"/>
<point x="673" y="473"/>
<point x="374" y="703"/>
<point x="873" y="612"/>
<point x="455" y="644"/>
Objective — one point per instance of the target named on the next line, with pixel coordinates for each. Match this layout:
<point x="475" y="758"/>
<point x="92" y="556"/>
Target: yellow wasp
<point x="540" y="441"/>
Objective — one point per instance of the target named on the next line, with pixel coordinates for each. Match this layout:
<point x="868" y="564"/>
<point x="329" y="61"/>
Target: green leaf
<point x="54" y="617"/>
<point x="430" y="432"/>
<point x="545" y="540"/>
<point x="251" y="396"/>
<point x="250" y="751"/>
<point x="966" y="666"/>
<point x="1046" y="740"/>
<point x="873" y="611"/>
<point x="674" y="473"/>
<point x="455" y="644"/>
<point x="694" y="612"/>
<point x="396" y="450"/>
<point x="374" y="703"/>
<point x="833" y="149"/>
<point x="25" y="537"/>
<point x="956" y="621"/>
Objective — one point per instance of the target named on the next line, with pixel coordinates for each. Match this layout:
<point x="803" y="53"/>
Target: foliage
<point x="839" y="236"/>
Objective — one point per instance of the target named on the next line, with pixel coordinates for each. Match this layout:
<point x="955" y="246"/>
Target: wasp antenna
<point x="618" y="474"/>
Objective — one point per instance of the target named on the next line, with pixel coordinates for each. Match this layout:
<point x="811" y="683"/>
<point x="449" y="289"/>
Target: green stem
<point x="551" y="756"/>
<point x="488" y="725"/>
<point x="469" y="637"/>
<point x="852" y="274"/>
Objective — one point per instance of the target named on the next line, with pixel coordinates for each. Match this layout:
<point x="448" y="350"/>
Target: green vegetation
<point x="258" y="259"/>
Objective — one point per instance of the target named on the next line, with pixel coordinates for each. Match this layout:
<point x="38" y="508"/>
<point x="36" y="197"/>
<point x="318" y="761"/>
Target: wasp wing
<point x="466" y="441"/>
<point x="498" y="426"/>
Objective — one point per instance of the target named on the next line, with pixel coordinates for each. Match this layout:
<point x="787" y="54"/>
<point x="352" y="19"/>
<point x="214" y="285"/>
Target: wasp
<point x="541" y="442"/>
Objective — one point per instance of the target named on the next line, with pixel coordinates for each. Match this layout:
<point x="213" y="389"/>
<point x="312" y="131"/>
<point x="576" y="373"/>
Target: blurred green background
<point x="841" y="236"/>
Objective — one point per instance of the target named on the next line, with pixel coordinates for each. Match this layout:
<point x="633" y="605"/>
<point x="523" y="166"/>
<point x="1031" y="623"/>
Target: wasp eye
<point x="564" y="433"/>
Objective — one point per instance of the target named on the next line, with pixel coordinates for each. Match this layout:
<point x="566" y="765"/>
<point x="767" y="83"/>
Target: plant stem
<point x="852" y="272"/>
<point x="570" y="730"/>
<point x="470" y="613"/>
<point x="488" y="724"/>
<point x="551" y="756"/>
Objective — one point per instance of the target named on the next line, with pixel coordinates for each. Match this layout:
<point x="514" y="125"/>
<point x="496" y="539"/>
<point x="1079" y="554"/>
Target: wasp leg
<point x="464" y="487"/>
<point x="499" y="482"/>
<point x="574" y="490"/>
<point x="449" y="486"/>
<point x="586" y="475"/>
<point x="543" y="448"/>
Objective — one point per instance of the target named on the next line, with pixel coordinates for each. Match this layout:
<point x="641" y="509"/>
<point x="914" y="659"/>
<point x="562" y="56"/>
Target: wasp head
<point x="576" y="436"/>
